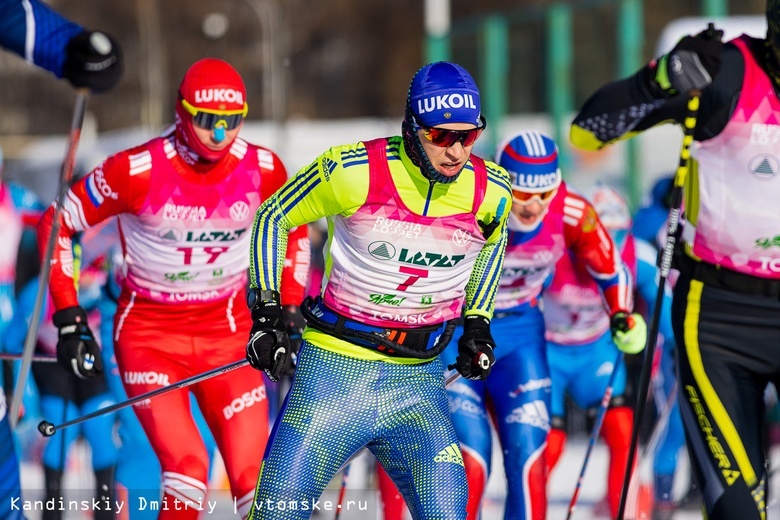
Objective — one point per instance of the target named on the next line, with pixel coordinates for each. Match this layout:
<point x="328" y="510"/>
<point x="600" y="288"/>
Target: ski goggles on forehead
<point x="446" y="138"/>
<point x="525" y="197"/>
<point x="208" y="119"/>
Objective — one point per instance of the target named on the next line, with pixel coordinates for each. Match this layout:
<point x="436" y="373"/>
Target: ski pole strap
<point x="419" y="343"/>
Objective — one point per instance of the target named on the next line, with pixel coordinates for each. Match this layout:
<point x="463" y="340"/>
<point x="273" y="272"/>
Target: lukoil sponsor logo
<point x="146" y="378"/>
<point x="546" y="180"/>
<point x="247" y="399"/>
<point x="216" y="95"/>
<point x="454" y="100"/>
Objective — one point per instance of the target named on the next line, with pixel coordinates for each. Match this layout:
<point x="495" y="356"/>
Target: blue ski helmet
<point x="531" y="158"/>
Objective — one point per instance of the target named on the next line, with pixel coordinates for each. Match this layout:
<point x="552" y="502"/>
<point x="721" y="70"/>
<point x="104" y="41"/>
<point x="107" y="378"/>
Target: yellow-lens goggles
<point x="208" y="118"/>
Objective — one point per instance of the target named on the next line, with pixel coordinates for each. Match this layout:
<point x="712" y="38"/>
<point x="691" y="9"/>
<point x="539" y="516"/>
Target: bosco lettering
<point x="247" y="399"/>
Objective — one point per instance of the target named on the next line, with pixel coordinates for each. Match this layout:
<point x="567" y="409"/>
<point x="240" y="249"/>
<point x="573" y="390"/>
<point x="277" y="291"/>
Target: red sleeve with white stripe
<point x="297" y="261"/>
<point x="586" y="236"/>
<point x="108" y="190"/>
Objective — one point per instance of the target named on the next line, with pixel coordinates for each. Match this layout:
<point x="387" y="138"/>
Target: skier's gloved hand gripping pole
<point x="475" y="349"/>
<point x="77" y="349"/>
<point x="689" y="68"/>
<point x="93" y="60"/>
<point x="268" y="348"/>
<point x="66" y="176"/>
<point x="48" y="429"/>
<point x="629" y="332"/>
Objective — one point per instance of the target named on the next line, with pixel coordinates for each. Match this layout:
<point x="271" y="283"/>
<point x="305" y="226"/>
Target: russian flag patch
<point x="93" y="192"/>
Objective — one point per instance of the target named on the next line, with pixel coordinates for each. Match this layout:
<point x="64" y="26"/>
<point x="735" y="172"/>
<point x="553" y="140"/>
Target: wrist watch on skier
<point x="255" y="296"/>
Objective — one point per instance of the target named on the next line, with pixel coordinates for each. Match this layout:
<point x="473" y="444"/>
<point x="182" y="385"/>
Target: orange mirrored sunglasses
<point x="524" y="197"/>
<point x="446" y="138"/>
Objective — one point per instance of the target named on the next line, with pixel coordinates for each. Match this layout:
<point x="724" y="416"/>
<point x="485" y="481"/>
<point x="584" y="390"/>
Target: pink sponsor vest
<point x="10" y="234"/>
<point x="190" y="240"/>
<point x="574" y="311"/>
<point x="527" y="264"/>
<point x="391" y="267"/>
<point x="737" y="224"/>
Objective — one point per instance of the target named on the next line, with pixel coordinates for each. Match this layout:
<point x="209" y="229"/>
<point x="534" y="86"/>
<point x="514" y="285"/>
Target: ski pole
<point x="4" y="356"/>
<point x="48" y="429"/>
<point x="594" y="434"/>
<point x="663" y="420"/>
<point x="342" y="491"/>
<point x="66" y="175"/>
<point x="689" y="126"/>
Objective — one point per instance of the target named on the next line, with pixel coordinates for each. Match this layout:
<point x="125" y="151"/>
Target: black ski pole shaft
<point x="35" y="358"/>
<point x="666" y="264"/>
<point x="66" y="175"/>
<point x="594" y="434"/>
<point x="48" y="429"/>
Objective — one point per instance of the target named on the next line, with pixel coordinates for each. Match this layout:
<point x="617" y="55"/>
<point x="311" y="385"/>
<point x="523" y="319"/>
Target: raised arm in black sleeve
<point x="634" y="104"/>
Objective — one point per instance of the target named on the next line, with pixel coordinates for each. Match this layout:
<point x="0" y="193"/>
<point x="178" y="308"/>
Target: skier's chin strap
<point x="419" y="343"/>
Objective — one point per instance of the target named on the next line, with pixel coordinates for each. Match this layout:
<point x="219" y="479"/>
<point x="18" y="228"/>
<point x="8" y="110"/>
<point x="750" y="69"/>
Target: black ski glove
<point x="475" y="349"/>
<point x="692" y="64"/>
<point x="93" y="60"/>
<point x="77" y="349"/>
<point x="295" y="323"/>
<point x="268" y="348"/>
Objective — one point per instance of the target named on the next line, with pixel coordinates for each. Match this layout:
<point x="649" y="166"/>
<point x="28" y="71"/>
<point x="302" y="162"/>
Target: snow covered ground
<point x="364" y="502"/>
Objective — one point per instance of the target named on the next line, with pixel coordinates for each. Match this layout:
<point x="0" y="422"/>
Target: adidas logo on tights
<point x="450" y="454"/>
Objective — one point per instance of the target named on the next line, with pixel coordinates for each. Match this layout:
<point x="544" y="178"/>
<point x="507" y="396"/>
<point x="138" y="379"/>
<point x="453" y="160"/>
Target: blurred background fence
<point x="309" y="65"/>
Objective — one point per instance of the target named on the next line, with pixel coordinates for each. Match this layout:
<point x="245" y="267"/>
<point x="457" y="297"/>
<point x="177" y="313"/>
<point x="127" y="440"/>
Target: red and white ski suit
<point x="185" y="233"/>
